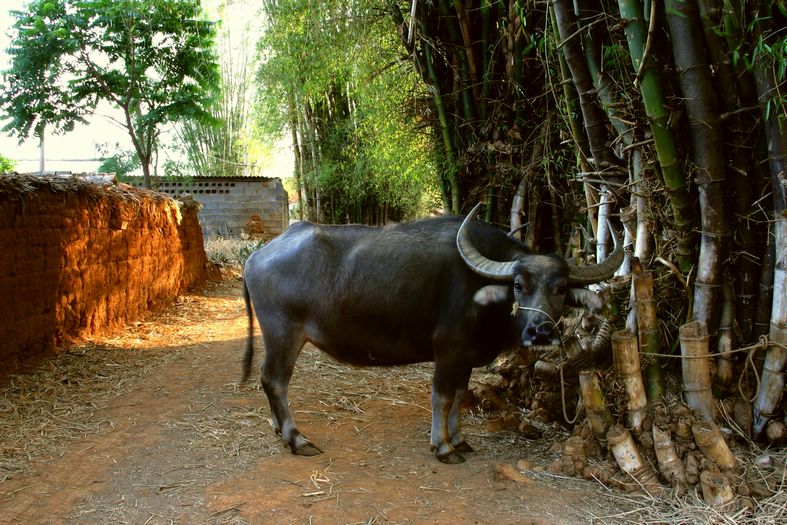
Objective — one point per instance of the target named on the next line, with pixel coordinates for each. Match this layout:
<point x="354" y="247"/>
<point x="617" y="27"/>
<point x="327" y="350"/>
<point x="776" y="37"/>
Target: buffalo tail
<point x="249" y="355"/>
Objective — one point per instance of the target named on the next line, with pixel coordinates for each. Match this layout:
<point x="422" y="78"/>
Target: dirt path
<point x="182" y="442"/>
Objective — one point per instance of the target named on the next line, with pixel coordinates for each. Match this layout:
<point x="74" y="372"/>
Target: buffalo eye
<point x="518" y="287"/>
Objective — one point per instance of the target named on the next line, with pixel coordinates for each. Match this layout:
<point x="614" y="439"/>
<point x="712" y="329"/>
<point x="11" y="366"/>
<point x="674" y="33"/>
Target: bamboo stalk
<point x="641" y="244"/>
<point x="518" y="202"/>
<point x="696" y="368"/>
<point x="574" y="115"/>
<point x="462" y="81"/>
<point x="599" y="416"/>
<point x="666" y="149"/>
<point x="602" y="232"/>
<point x="642" y="281"/>
<point x="699" y="98"/>
<point x="467" y="40"/>
<point x="592" y="115"/>
<point x="726" y="340"/>
<point x="773" y="376"/>
<point x="450" y="170"/>
<point x="737" y="131"/>
<point x="626" y="356"/>
<point x="710" y="441"/>
<point x="485" y="7"/>
<point x="602" y="81"/>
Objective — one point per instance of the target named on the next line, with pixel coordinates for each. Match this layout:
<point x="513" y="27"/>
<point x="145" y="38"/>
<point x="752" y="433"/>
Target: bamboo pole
<point x="626" y="357"/>
<point x="450" y="170"/>
<point x="574" y="116"/>
<point x="699" y="98"/>
<point x="592" y="115"/>
<point x="658" y="115"/>
<point x="462" y="81"/>
<point x="738" y="145"/>
<point x="485" y="78"/>
<point x="773" y="375"/>
<point x="602" y="81"/>
<point x="641" y="243"/>
<point x="696" y="368"/>
<point x="726" y="340"/>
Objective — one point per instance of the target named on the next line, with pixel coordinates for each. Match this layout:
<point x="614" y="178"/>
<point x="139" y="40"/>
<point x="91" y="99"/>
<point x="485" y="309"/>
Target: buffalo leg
<point x="458" y="442"/>
<point x="448" y="388"/>
<point x="281" y="353"/>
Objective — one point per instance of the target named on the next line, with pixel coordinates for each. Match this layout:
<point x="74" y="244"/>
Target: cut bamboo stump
<point x="626" y="356"/>
<point x="696" y="368"/>
<point x="716" y="490"/>
<point x="670" y="465"/>
<point x="629" y="460"/>
<point x="711" y="443"/>
<point x="647" y="331"/>
<point x="598" y="414"/>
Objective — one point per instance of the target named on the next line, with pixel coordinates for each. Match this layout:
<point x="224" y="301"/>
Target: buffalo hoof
<point x="308" y="449"/>
<point x="451" y="458"/>
<point x="463" y="447"/>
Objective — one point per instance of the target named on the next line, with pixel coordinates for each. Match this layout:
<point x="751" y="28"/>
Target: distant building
<point x="231" y="205"/>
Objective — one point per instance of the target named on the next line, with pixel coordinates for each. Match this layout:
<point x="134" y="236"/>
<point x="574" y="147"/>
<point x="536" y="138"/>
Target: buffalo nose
<point x="540" y="333"/>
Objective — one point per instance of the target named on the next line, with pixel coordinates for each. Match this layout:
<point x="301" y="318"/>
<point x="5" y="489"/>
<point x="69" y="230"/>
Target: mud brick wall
<point x="78" y="259"/>
<point x="229" y="203"/>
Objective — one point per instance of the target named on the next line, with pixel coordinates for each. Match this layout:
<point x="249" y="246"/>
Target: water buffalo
<point x="452" y="290"/>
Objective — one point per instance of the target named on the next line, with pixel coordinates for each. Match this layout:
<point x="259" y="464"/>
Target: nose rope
<point x="570" y="421"/>
<point x="529" y="309"/>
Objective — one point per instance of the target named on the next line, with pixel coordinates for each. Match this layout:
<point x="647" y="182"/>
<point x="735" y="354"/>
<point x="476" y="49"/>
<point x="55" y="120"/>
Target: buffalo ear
<point x="491" y="294"/>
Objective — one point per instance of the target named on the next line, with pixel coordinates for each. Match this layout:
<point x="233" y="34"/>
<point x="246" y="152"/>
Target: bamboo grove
<point x="665" y="120"/>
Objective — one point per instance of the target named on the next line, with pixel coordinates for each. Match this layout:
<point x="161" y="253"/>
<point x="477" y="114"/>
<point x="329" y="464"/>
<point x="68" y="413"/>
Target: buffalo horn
<point x="499" y="271"/>
<point x="582" y="275"/>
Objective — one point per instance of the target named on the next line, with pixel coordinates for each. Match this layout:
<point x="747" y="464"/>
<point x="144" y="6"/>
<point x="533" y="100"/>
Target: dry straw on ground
<point x="60" y="400"/>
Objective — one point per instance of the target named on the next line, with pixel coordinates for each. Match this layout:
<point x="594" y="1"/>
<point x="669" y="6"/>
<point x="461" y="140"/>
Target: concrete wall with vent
<point x="230" y="204"/>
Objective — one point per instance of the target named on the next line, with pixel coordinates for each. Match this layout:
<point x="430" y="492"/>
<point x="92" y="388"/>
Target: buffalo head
<point x="540" y="283"/>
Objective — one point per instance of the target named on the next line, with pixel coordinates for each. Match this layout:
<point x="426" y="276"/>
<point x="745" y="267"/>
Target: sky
<point x="71" y="152"/>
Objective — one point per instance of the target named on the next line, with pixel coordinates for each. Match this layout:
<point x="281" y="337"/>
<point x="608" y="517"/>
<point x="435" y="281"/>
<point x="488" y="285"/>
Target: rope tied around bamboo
<point x="762" y="344"/>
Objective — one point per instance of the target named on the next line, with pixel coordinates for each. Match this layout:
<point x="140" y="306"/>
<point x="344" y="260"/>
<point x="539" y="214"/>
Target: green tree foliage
<point x="6" y="165"/>
<point x="154" y="60"/>
<point x="332" y="73"/>
<point x="487" y="71"/>
<point x="229" y="148"/>
<point x="121" y="162"/>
